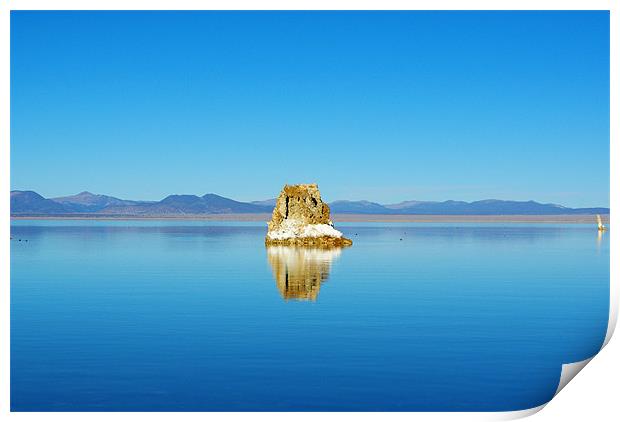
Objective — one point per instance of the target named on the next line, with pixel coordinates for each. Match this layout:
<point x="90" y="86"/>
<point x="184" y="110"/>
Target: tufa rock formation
<point x="300" y="217"/>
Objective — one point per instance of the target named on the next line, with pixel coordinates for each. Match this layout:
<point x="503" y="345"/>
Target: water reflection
<point x="599" y="239"/>
<point x="299" y="271"/>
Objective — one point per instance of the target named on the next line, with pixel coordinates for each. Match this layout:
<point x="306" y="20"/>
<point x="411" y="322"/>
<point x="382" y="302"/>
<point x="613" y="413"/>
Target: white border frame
<point x="595" y="398"/>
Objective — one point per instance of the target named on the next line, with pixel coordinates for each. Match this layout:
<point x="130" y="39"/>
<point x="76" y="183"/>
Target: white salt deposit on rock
<point x="290" y="229"/>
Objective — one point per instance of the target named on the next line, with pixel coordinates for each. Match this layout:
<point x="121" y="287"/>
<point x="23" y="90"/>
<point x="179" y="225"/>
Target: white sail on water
<point x="601" y="227"/>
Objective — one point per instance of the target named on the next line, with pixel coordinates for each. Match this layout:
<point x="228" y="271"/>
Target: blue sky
<point x="384" y="106"/>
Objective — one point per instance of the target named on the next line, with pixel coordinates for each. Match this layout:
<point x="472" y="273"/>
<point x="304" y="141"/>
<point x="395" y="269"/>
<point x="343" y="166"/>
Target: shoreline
<point x="347" y="218"/>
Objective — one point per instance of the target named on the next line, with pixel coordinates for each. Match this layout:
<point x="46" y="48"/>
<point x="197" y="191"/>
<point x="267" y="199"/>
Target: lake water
<point x="197" y="316"/>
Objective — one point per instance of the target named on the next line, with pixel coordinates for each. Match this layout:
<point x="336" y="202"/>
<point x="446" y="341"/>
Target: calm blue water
<point x="200" y="316"/>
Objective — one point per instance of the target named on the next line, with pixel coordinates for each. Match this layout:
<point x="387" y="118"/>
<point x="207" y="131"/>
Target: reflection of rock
<point x="300" y="217"/>
<point x="299" y="271"/>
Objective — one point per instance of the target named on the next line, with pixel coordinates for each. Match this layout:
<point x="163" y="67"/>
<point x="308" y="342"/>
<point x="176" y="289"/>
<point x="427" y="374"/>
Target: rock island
<point x="300" y="217"/>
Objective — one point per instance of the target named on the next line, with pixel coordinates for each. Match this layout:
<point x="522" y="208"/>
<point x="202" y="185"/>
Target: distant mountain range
<point x="29" y="203"/>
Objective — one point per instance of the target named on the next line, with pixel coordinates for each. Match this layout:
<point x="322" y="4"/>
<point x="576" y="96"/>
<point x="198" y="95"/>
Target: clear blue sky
<point x="385" y="106"/>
